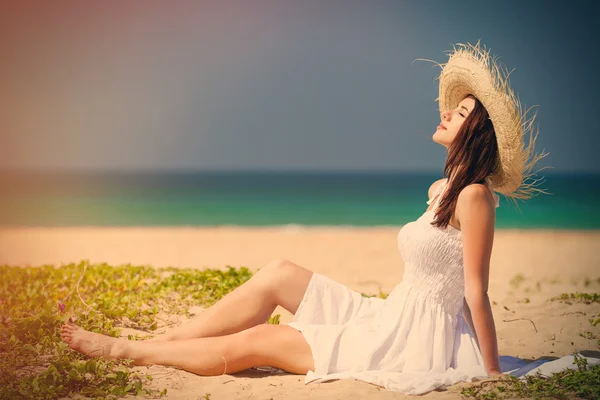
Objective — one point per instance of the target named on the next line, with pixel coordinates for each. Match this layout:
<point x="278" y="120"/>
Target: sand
<point x="365" y="259"/>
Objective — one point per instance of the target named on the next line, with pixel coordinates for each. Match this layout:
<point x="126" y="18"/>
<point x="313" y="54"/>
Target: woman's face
<point x="452" y="121"/>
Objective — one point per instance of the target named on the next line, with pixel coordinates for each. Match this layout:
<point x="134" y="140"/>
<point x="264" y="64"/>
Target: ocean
<point x="268" y="199"/>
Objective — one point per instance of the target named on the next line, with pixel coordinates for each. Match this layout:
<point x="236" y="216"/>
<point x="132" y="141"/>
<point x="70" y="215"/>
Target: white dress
<point x="416" y="339"/>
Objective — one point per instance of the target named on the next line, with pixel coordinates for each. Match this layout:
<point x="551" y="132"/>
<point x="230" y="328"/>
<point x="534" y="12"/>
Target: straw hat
<point x="471" y="70"/>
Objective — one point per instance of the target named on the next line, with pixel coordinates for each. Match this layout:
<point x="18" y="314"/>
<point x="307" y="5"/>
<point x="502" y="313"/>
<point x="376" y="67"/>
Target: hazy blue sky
<point x="285" y="85"/>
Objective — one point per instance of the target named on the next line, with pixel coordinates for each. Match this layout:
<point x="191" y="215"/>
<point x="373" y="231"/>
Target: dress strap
<point x="488" y="182"/>
<point x="438" y="191"/>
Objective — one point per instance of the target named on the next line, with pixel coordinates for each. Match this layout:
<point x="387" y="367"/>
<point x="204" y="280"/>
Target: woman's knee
<point x="276" y="270"/>
<point x="287" y="282"/>
<point x="277" y="264"/>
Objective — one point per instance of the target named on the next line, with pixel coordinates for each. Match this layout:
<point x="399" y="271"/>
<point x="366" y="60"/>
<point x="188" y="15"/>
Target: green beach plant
<point x="577" y="297"/>
<point x="581" y="382"/>
<point x="34" y="302"/>
<point x="381" y="294"/>
<point x="516" y="281"/>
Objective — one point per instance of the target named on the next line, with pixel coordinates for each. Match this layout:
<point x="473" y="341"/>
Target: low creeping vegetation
<point x="586" y="298"/>
<point x="581" y="382"/>
<point x="381" y="295"/>
<point x="34" y="302"/>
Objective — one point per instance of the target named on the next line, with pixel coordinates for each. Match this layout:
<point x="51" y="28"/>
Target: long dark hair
<point x="472" y="156"/>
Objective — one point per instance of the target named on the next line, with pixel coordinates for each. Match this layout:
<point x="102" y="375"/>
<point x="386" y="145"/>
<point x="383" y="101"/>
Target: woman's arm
<point x="476" y="211"/>
<point x="483" y="320"/>
<point x="469" y="320"/>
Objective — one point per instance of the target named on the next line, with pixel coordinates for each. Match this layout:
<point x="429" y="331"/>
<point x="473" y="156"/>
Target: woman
<point x="435" y="328"/>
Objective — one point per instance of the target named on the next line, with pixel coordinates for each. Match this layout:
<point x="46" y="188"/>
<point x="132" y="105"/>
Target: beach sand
<point x="365" y="259"/>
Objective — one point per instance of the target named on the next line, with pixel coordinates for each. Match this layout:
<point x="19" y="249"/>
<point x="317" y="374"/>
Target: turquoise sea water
<point x="260" y="199"/>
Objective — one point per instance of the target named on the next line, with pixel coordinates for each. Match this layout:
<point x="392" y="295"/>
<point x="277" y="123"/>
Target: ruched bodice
<point x="433" y="256"/>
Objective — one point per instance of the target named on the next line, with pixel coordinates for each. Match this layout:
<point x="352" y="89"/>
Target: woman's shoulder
<point x="435" y="186"/>
<point x="476" y="199"/>
<point x="478" y="192"/>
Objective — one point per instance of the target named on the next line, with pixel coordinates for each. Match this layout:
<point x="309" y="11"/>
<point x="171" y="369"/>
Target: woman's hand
<point x="494" y="372"/>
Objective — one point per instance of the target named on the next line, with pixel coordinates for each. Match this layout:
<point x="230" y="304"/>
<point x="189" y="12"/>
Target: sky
<point x="280" y="85"/>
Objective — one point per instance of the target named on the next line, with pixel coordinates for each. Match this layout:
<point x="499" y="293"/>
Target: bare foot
<point x="92" y="344"/>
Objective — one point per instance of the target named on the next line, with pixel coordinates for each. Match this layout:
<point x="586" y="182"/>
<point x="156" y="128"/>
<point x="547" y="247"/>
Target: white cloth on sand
<point x="414" y="341"/>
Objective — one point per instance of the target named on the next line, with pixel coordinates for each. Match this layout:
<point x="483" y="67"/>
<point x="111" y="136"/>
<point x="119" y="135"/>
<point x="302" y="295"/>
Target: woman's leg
<point x="279" y="346"/>
<point x="280" y="282"/>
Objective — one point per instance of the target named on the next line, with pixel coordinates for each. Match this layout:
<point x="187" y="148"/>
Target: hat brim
<point x="471" y="70"/>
